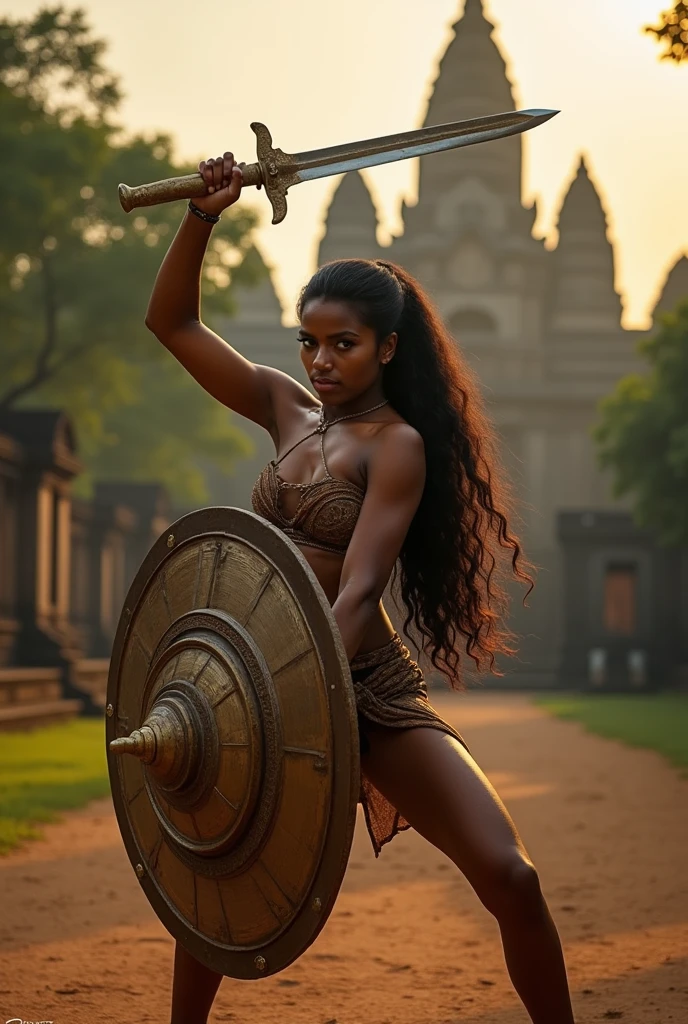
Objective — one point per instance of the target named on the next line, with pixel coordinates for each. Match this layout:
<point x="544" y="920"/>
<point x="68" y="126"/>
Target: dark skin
<point x="426" y="774"/>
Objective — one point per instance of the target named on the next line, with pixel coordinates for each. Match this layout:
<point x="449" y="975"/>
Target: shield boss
<point x="232" y="742"/>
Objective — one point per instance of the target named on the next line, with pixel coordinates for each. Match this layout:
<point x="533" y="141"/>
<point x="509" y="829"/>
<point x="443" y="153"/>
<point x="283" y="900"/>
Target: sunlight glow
<point x="320" y="73"/>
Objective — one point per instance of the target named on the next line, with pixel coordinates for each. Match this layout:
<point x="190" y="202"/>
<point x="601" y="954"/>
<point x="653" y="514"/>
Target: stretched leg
<point x="440" y="790"/>
<point x="193" y="989"/>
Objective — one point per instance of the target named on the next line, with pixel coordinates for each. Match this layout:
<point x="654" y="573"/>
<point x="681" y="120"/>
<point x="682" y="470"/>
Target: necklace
<point x="320" y="429"/>
<point x="339" y="419"/>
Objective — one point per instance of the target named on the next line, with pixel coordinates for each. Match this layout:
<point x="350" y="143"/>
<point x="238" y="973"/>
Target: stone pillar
<point x="150" y="506"/>
<point x="47" y="465"/>
<point x="10" y="459"/>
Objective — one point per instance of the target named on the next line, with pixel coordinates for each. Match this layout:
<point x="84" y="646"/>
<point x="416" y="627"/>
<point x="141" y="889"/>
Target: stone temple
<point x="542" y="330"/>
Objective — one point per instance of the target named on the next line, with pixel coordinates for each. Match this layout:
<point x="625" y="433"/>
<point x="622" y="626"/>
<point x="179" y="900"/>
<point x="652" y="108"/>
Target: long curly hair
<point x="451" y="570"/>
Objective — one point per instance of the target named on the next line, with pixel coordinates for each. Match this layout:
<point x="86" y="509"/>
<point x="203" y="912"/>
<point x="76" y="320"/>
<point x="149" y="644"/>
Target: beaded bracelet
<point x="211" y="218"/>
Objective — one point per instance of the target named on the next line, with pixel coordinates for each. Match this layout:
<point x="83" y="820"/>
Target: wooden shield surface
<point x="235" y="766"/>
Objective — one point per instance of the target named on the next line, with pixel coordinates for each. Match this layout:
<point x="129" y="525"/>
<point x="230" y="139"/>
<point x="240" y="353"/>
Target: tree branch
<point x="42" y="370"/>
<point x="50" y="371"/>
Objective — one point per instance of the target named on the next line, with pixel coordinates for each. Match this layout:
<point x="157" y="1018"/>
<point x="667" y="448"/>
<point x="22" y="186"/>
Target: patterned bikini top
<point x="327" y="510"/>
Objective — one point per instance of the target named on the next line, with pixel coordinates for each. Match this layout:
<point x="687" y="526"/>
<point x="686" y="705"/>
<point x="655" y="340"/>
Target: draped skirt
<point x="390" y="691"/>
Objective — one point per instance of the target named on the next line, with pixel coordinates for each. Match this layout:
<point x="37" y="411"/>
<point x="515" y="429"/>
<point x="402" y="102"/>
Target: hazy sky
<point x="319" y="73"/>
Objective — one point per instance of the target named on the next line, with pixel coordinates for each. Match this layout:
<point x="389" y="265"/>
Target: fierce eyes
<point x="309" y="343"/>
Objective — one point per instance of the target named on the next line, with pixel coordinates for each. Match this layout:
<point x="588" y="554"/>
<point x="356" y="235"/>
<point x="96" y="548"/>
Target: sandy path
<point x="408" y="942"/>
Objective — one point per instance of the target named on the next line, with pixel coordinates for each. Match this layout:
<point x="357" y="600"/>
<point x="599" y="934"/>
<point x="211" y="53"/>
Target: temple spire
<point x="584" y="295"/>
<point x="474" y="13"/>
<point x="675" y="287"/>
<point x="256" y="301"/>
<point x="472" y="78"/>
<point x="351" y="223"/>
<point x="472" y="81"/>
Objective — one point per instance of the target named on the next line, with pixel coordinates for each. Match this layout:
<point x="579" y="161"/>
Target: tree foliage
<point x="53" y="59"/>
<point x="643" y="431"/>
<point x="673" y="31"/>
<point x="76" y="271"/>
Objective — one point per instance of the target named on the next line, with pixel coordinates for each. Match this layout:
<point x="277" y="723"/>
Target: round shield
<point x="232" y="742"/>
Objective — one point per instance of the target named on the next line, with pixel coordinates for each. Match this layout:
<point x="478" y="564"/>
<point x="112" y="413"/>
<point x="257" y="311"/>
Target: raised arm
<point x="174" y="314"/>
<point x="395" y="482"/>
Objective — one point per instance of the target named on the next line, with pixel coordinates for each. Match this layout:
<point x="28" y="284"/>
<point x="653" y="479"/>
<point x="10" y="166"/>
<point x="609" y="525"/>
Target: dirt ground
<point x="408" y="942"/>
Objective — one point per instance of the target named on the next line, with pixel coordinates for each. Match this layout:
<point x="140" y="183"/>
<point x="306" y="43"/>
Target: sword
<point x="277" y="171"/>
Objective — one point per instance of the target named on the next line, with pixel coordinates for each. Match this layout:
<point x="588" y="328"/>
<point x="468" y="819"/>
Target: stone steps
<point x="30" y="697"/>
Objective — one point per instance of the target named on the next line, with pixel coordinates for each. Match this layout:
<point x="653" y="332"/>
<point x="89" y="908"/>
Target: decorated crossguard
<point x="277" y="171"/>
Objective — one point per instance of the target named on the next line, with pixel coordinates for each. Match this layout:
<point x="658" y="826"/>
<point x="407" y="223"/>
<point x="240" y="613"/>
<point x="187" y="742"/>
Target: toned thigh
<point x="438" y="787"/>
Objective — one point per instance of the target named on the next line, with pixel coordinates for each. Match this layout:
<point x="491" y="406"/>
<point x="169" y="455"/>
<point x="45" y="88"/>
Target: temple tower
<point x="351" y="223"/>
<point x="674" y="289"/>
<point x="472" y="81"/>
<point x="469" y="238"/>
<point x="584" y="297"/>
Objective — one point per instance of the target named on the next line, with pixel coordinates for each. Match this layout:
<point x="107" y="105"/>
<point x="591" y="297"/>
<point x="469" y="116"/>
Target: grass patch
<point x="651" y="721"/>
<point x="48" y="770"/>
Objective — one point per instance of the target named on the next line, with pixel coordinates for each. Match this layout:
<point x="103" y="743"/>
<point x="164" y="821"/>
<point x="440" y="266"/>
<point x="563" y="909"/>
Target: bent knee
<point x="513" y="884"/>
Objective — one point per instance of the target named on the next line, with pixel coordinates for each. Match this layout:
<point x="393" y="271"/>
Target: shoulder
<point x="400" y="436"/>
<point x="398" y="455"/>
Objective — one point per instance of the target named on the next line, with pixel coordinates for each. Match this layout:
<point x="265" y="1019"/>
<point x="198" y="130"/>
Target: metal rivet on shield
<point x="140" y="870"/>
<point x="317" y="904"/>
<point x="109" y="711"/>
<point x="170" y="540"/>
<point x="261" y="963"/>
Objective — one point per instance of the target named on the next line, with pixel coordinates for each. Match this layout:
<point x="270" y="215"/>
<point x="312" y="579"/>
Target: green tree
<point x="76" y="271"/>
<point x="674" y="32"/>
<point x="52" y="59"/>
<point x="643" y="431"/>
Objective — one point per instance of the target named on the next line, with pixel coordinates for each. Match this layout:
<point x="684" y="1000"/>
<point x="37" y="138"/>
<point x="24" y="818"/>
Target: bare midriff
<point x="328" y="568"/>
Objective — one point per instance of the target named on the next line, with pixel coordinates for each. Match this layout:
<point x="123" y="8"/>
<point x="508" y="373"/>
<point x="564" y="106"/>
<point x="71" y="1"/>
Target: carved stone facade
<point x="65" y="567"/>
<point x="541" y="327"/>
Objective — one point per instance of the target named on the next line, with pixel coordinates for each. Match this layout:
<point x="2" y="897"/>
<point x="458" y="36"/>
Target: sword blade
<point x="353" y="156"/>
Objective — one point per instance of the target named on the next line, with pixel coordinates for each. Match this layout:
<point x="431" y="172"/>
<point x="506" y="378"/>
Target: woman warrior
<point x="391" y="472"/>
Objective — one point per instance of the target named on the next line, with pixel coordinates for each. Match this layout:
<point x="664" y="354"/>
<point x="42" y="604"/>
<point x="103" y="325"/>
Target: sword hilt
<point x="271" y="171"/>
<point x="186" y="186"/>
